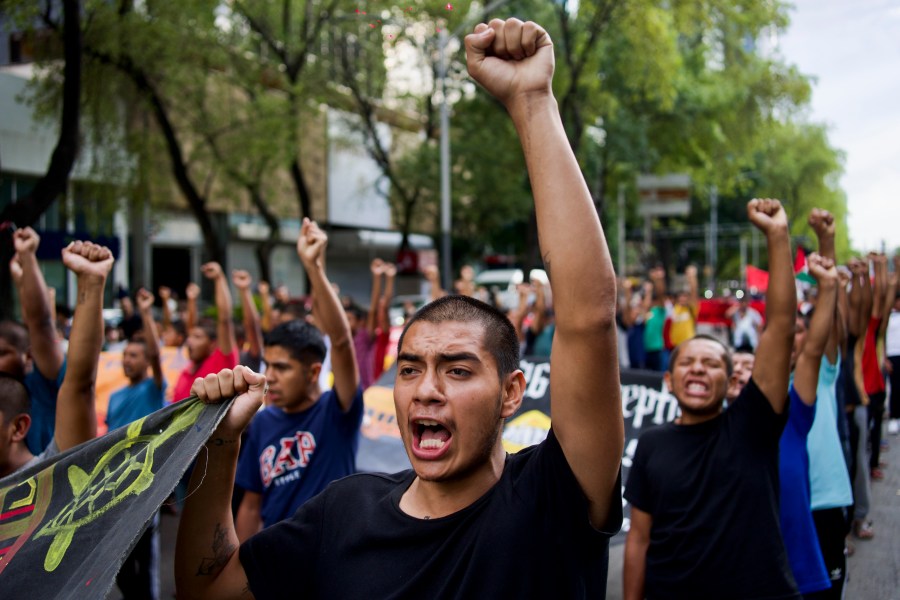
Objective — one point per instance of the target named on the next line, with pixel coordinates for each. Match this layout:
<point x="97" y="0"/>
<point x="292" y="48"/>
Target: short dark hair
<point x="15" y="334"/>
<point x="138" y="340"/>
<point x="356" y="310"/>
<point x="295" y="308"/>
<point x="210" y="328"/>
<point x="14" y="400"/>
<point x="179" y="328"/>
<point x="302" y="341"/>
<point x="499" y="337"/>
<point x="726" y="354"/>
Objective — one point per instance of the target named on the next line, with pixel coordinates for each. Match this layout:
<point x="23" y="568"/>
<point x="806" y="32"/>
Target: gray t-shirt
<point x="49" y="452"/>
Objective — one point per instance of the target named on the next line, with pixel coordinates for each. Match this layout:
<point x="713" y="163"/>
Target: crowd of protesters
<point x="843" y="358"/>
<point x="757" y="489"/>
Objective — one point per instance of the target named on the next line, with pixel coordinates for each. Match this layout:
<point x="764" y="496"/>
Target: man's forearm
<point x="781" y="297"/>
<point x="634" y="570"/>
<point x="822" y="319"/>
<point x="75" y="413"/>
<point x="333" y="320"/>
<point x="224" y="308"/>
<point x="330" y="312"/>
<point x="806" y="374"/>
<point x="249" y="519"/>
<point x="36" y="313"/>
<point x="571" y="239"/>
<point x="191" y="314"/>
<point x="252" y="325"/>
<point x="152" y="344"/>
<point x="206" y="534"/>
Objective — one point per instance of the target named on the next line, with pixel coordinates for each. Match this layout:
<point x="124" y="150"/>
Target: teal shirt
<point x="828" y="479"/>
<point x="653" y="329"/>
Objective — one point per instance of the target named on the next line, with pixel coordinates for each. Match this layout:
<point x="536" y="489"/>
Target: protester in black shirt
<point x="444" y="529"/>
<point x="704" y="489"/>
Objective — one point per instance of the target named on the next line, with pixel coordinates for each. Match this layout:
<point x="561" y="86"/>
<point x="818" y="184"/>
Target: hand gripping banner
<point x="68" y="523"/>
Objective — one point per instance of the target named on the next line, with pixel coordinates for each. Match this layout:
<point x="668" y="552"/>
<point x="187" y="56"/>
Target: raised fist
<point x="165" y="293"/>
<point x="510" y="59"/>
<point x="88" y="259"/>
<point x="767" y="215"/>
<point x="192" y="291"/>
<point x="26" y="240"/>
<point x="144" y="300"/>
<point x="822" y="222"/>
<point x="241" y="279"/>
<point x="858" y="267"/>
<point x="212" y="270"/>
<point x="822" y="269"/>
<point x="312" y="243"/>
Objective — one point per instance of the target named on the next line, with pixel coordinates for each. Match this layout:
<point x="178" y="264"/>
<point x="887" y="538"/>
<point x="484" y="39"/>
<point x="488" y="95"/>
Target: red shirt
<point x="213" y="363"/>
<point x="872" y="377"/>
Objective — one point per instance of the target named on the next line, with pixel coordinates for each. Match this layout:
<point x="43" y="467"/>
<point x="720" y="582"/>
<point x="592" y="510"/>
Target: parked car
<point x="397" y="308"/>
<point x="505" y="282"/>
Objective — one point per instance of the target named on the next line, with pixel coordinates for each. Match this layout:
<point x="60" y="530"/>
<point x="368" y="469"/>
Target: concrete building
<point x="164" y="246"/>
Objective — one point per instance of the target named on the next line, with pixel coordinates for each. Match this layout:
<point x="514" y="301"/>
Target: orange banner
<point x="110" y="377"/>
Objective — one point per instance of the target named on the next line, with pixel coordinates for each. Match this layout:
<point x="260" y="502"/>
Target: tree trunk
<point x="53" y="184"/>
<point x="264" y="249"/>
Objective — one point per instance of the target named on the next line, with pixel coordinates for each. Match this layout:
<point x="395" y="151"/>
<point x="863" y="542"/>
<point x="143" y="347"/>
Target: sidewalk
<point x="874" y="568"/>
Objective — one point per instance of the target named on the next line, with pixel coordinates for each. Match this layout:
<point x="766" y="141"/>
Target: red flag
<point x="757" y="278"/>
<point x="800" y="261"/>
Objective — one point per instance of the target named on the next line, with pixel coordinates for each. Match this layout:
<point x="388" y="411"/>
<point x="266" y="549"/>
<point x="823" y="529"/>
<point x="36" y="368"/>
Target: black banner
<point x="67" y="523"/>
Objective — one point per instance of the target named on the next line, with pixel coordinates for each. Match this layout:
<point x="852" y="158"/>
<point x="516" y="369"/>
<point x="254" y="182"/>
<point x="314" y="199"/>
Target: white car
<point x="506" y="281"/>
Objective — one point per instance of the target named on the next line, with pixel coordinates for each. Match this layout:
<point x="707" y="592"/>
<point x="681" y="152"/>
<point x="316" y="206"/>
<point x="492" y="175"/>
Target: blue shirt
<point x="134" y="402"/>
<point x="797" y="526"/>
<point x="42" y="392"/>
<point x="290" y="457"/>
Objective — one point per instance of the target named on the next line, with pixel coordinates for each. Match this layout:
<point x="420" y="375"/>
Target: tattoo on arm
<point x="221" y="441"/>
<point x="222" y="549"/>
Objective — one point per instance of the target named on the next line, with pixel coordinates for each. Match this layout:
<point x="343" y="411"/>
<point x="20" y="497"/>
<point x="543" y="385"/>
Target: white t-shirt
<point x="745" y="327"/>
<point x="892" y="337"/>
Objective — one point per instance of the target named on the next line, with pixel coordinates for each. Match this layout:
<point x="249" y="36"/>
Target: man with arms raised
<point x="211" y="345"/>
<point x="305" y="438"/>
<point x="469" y="520"/>
<point x="75" y="419"/>
<point x="704" y="489"/>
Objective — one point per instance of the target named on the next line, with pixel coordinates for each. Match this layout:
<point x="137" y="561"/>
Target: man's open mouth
<point x="695" y="388"/>
<point x="430" y="435"/>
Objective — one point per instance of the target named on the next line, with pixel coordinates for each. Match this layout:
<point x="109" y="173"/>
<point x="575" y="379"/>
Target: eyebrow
<point x="442" y="358"/>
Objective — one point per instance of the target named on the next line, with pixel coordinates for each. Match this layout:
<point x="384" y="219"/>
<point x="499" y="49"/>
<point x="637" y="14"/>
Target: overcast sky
<point x="853" y="50"/>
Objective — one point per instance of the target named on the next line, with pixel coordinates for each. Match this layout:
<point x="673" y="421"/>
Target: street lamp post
<point x="445" y="163"/>
<point x="443" y="39"/>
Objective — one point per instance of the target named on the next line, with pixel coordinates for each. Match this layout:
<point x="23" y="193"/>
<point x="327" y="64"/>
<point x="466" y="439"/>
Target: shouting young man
<point x="704" y="489"/>
<point x="468" y="521"/>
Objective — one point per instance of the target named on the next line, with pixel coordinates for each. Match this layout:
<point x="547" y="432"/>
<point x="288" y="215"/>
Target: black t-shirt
<point x="527" y="537"/>
<point x="712" y="490"/>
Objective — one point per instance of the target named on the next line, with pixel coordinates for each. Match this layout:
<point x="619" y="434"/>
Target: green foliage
<point x="645" y="86"/>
